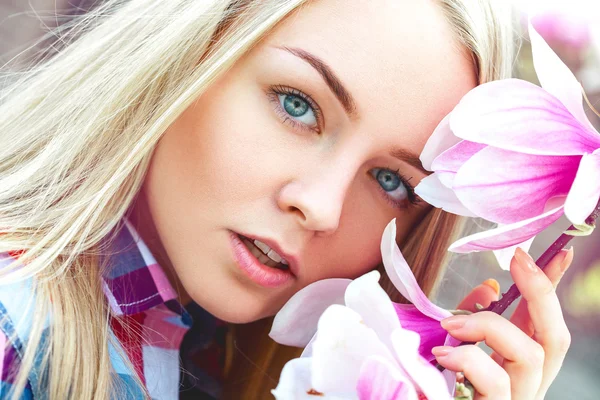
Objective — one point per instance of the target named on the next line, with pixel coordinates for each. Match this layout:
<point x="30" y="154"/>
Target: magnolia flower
<point x="361" y="352"/>
<point x="296" y="323"/>
<point x="516" y="154"/>
<point x="569" y="26"/>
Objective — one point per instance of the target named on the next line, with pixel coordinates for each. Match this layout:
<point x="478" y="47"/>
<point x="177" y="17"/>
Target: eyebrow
<point x="347" y="101"/>
<point x="330" y="78"/>
<point x="410" y="158"/>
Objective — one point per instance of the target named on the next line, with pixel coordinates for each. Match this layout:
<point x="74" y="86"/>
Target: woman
<point x="249" y="148"/>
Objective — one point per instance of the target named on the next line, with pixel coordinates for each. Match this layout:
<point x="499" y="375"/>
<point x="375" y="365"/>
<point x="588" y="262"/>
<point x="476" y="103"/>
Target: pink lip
<point x="254" y="269"/>
<point x="291" y="259"/>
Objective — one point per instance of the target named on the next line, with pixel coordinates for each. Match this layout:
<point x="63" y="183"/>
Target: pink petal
<point x="381" y="380"/>
<point x="507" y="235"/>
<point x="450" y="378"/>
<point x="367" y="298"/>
<point x="516" y="115"/>
<point x="342" y="345"/>
<point x="556" y="78"/>
<point x="432" y="191"/>
<point x="402" y="277"/>
<point x="559" y="23"/>
<point x="450" y="341"/>
<point x="430" y="330"/>
<point x="441" y="140"/>
<point x="505" y="187"/>
<point x="450" y="161"/>
<point x="504" y="256"/>
<point x="423" y="374"/>
<point x="585" y="192"/>
<point x="296" y="323"/>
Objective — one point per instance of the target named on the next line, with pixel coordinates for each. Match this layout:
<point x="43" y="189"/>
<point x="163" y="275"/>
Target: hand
<point x="528" y="350"/>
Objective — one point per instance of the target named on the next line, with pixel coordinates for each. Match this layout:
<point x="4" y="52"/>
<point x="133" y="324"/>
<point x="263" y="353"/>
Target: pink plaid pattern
<point x="142" y="301"/>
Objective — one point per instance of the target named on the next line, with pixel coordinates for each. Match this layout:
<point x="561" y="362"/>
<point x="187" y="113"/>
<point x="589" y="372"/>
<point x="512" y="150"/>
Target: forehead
<point x="399" y="59"/>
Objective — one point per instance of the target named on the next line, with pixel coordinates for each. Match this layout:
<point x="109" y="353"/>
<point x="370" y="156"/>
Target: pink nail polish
<point x="567" y="259"/>
<point x="525" y="261"/>
<point x="454" y="323"/>
<point x="442" y="351"/>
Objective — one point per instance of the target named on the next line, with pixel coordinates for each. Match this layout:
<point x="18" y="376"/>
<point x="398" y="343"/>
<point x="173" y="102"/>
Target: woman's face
<point x="309" y="144"/>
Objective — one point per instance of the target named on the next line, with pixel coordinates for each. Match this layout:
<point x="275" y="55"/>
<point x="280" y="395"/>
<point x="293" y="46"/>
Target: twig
<point x="513" y="293"/>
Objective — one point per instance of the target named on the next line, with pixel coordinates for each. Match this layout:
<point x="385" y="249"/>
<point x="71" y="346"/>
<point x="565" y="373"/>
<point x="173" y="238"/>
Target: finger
<point x="489" y="379"/>
<point x="498" y="358"/>
<point x="554" y="271"/>
<point x="523" y="357"/>
<point x="559" y="265"/>
<point x="547" y="321"/>
<point x="483" y="294"/>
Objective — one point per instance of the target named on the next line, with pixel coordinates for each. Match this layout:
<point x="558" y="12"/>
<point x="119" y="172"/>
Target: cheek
<point x="355" y="248"/>
<point x="218" y="148"/>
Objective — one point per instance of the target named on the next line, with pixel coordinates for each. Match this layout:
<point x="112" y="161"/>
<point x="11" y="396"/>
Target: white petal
<point x="367" y="298"/>
<point x="342" y="345"/>
<point x="402" y="277"/>
<point x="295" y="382"/>
<point x="585" y="192"/>
<point x="556" y="78"/>
<point x="434" y="192"/>
<point x="296" y="323"/>
<point x="308" y="350"/>
<point x="425" y="376"/>
<point x="441" y="140"/>
<point x="503" y="256"/>
<point x="508" y="235"/>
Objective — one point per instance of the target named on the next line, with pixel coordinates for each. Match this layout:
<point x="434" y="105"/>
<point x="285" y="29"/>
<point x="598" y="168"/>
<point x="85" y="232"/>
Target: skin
<point x="235" y="160"/>
<point x="528" y="349"/>
<point x="232" y="163"/>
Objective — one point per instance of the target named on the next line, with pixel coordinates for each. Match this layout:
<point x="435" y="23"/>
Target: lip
<point x="257" y="271"/>
<point x="290" y="258"/>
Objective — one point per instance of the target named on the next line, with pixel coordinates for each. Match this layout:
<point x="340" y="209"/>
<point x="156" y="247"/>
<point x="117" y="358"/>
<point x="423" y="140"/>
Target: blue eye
<point x="298" y="108"/>
<point x="295" y="106"/>
<point x="391" y="183"/>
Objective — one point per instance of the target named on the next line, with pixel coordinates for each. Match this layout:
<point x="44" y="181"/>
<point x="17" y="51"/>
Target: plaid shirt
<point x="140" y="296"/>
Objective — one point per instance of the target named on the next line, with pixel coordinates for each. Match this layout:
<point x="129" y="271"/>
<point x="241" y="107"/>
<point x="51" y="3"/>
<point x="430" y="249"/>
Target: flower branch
<point x="513" y="293"/>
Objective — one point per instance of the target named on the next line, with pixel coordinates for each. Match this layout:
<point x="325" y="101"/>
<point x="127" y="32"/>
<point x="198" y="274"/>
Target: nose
<point x="316" y="200"/>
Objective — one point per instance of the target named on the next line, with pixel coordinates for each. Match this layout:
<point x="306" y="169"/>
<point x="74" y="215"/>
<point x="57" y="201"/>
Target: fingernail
<point x="567" y="259"/>
<point x="493" y="284"/>
<point x="455" y="322"/>
<point x="442" y="351"/>
<point x="525" y="261"/>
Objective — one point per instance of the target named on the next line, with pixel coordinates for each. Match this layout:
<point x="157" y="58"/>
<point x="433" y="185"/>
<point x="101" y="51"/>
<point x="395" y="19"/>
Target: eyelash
<point x="275" y="91"/>
<point x="278" y="90"/>
<point x="412" y="196"/>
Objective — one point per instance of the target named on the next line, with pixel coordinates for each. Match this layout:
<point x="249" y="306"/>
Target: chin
<point x="236" y="308"/>
<point x="237" y="317"/>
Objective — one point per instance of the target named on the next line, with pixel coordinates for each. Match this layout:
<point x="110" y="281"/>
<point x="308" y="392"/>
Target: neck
<point x="141" y="219"/>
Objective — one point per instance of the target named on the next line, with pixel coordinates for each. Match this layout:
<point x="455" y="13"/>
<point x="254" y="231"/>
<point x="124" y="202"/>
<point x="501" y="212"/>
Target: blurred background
<point x="572" y="28"/>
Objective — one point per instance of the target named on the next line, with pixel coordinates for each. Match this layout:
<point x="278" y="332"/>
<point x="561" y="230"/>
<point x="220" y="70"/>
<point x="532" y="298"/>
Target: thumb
<point x="483" y="294"/>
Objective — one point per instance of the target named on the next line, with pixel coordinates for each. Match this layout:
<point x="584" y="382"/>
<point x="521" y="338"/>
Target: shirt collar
<point x="133" y="281"/>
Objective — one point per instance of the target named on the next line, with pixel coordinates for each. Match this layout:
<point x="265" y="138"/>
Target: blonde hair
<point x="76" y="135"/>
